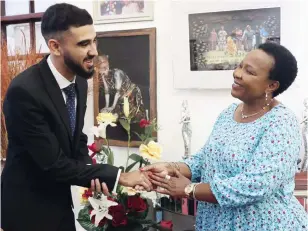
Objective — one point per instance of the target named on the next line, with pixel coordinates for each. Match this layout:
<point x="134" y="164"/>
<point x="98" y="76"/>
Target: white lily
<point x="101" y="208"/>
<point x="100" y="130"/>
<point x="126" y="107"/>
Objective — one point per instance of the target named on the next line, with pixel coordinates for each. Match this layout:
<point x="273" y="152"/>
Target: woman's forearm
<point x="203" y="192"/>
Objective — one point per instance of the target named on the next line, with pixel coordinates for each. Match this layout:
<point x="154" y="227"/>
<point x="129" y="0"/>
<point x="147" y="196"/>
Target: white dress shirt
<point x="63" y="83"/>
<point x="61" y="80"/>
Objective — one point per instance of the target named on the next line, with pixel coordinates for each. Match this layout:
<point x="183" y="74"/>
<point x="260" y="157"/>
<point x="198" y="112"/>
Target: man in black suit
<point x="44" y="111"/>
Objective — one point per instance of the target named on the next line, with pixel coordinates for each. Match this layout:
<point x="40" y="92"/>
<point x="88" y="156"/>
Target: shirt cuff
<point x="116" y="182"/>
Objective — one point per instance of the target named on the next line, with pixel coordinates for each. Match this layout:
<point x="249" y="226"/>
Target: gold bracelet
<point x="170" y="165"/>
<point x="177" y="166"/>
<point x="194" y="190"/>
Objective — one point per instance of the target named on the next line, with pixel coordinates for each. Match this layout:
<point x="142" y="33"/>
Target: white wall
<point x="205" y="105"/>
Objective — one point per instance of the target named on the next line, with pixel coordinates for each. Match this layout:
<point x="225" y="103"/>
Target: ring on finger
<point x="167" y="177"/>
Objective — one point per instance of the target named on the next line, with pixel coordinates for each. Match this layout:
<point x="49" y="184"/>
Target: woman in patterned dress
<point x="243" y="177"/>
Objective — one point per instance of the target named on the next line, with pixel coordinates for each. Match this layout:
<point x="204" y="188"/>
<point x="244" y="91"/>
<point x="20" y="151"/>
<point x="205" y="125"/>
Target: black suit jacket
<point x="43" y="159"/>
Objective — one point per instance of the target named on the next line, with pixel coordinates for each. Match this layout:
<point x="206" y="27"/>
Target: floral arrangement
<point x="128" y="208"/>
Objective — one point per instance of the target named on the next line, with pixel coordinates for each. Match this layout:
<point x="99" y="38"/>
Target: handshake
<point x="164" y="178"/>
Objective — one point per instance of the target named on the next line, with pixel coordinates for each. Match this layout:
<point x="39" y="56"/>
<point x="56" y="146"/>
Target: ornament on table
<point x="186" y="129"/>
<point x="304" y="166"/>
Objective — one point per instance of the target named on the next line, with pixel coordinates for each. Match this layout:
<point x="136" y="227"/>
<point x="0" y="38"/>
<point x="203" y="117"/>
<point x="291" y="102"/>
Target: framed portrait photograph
<point x="110" y="11"/>
<point x="126" y="68"/>
<point x="213" y="42"/>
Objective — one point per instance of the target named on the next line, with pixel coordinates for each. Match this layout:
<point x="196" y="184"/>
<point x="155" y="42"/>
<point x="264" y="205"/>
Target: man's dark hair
<point x="60" y="17"/>
<point x="285" y="67"/>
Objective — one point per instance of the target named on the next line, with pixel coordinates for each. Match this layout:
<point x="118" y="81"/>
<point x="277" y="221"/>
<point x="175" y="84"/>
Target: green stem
<point x="128" y="147"/>
<point x="107" y="142"/>
<point x="128" y="143"/>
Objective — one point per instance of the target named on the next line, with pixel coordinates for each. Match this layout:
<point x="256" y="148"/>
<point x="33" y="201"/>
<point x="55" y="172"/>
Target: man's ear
<point x="54" y="46"/>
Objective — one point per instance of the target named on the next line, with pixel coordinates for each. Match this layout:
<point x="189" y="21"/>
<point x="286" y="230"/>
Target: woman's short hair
<point x="284" y="69"/>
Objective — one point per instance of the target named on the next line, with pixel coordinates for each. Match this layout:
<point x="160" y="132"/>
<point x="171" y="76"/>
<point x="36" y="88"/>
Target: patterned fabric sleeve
<point x="273" y="164"/>
<point x="195" y="163"/>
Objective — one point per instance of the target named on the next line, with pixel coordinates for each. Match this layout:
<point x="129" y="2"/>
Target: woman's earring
<point x="266" y="97"/>
<point x="266" y="100"/>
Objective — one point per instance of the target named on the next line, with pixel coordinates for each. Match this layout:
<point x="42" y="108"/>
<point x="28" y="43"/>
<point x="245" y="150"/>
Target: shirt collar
<point x="61" y="80"/>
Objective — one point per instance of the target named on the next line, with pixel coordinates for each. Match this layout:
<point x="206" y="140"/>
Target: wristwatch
<point x="189" y="189"/>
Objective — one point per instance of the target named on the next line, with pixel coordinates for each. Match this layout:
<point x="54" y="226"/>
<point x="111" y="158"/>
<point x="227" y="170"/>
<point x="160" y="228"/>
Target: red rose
<point x="144" y="123"/>
<point x="166" y="224"/>
<point x="136" y="203"/>
<point x="93" y="147"/>
<point x="118" y="215"/>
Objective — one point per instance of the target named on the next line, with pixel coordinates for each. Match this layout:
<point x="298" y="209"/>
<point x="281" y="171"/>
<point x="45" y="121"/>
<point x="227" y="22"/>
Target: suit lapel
<point x="54" y="93"/>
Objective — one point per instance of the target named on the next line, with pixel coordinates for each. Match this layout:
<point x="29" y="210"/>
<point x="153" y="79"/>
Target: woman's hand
<point x="162" y="169"/>
<point x="173" y="186"/>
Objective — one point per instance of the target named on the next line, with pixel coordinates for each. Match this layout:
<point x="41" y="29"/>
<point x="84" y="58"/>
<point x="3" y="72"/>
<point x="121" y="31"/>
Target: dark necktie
<point x="70" y="105"/>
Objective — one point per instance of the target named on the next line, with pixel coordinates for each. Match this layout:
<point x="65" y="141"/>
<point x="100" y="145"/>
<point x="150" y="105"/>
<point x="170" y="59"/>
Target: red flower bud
<point x="87" y="193"/>
<point x="93" y="147"/>
<point x="166" y="224"/>
<point x="144" y="123"/>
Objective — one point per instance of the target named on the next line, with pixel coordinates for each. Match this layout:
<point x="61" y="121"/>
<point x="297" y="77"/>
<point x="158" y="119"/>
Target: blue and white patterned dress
<point x="250" y="168"/>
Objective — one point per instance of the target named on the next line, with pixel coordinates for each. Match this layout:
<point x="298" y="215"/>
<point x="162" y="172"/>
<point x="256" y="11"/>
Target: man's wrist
<point x="123" y="179"/>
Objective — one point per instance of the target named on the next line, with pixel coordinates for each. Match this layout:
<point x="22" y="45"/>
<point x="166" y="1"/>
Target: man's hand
<point x="131" y="179"/>
<point x="96" y="186"/>
<point x="173" y="186"/>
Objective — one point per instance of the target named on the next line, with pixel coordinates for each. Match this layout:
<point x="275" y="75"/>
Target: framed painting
<point x="210" y="44"/>
<point x="126" y="67"/>
<point x="110" y="11"/>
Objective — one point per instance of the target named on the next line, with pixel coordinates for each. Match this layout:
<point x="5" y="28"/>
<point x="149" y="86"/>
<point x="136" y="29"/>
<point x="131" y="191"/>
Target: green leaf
<point x="125" y="124"/>
<point x="85" y="222"/>
<point x="148" y="130"/>
<point x="105" y="150"/>
<point x="148" y="140"/>
<point x="110" y="159"/>
<point x="87" y="225"/>
<point x="131" y="166"/>
<point x="84" y="214"/>
<point x="140" y="136"/>
<point x="119" y="189"/>
<point x="143" y="137"/>
<point x="135" y="157"/>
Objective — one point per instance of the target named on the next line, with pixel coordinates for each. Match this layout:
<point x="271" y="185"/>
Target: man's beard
<point x="77" y="68"/>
